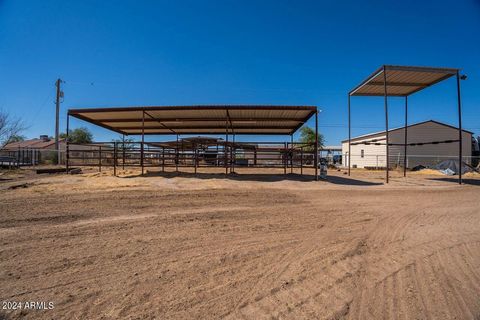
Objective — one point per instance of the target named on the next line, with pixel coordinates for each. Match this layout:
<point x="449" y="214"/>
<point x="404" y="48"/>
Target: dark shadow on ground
<point x="351" y="182"/>
<point x="258" y="177"/>
<point x="473" y="182"/>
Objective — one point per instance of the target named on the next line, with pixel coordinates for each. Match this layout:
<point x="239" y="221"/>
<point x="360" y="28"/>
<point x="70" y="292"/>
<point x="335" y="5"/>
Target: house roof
<point x="200" y="119"/>
<point x="31" y="143"/>
<point x="401" y="81"/>
<point x="401" y="128"/>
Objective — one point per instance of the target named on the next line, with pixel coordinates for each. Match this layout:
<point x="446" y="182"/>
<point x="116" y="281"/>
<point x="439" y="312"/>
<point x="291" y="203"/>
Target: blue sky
<point x="121" y="53"/>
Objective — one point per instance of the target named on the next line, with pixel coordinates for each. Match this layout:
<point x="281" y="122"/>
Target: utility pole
<point x="57" y="117"/>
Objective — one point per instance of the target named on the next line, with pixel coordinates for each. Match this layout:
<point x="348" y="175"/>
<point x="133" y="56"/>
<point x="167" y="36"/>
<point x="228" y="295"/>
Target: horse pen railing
<point x="119" y="155"/>
<point x="26" y="157"/>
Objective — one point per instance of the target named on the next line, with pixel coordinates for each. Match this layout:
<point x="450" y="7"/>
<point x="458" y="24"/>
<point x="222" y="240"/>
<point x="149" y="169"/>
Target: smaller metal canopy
<point x="402" y="81"/>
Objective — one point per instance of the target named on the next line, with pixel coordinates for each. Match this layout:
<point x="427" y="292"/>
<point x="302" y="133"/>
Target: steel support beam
<point x="291" y="153"/>
<point x="163" y="159"/>
<point x="143" y="141"/>
<point x="301" y="160"/>
<point x="349" y="136"/>
<point x="195" y="156"/>
<point x="316" y="146"/>
<point x="385" y="95"/>
<point x="405" y="139"/>
<point x="233" y="154"/>
<point x="100" y="159"/>
<point x="225" y="148"/>
<point x="460" y="131"/>
<point x="123" y="151"/>
<point x="176" y="156"/>
<point x="114" y="158"/>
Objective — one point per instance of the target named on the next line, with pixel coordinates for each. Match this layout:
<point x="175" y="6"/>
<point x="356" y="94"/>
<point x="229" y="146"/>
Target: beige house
<point x="42" y="143"/>
<point x="42" y="150"/>
<point x="369" y="151"/>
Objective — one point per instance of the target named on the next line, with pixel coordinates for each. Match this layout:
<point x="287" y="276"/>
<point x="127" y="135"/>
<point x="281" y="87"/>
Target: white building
<point x="433" y="133"/>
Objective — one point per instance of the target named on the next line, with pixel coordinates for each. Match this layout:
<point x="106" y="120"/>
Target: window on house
<point x="362" y="153"/>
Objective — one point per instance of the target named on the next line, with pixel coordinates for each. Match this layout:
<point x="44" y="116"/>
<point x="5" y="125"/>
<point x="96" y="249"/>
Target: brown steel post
<point x="226" y="153"/>
<point x="349" y="136"/>
<point x="195" y="157"/>
<point x="301" y="160"/>
<point x="385" y="96"/>
<point x="233" y="150"/>
<point x="177" y="152"/>
<point x="225" y="148"/>
<point x="182" y="151"/>
<point x="143" y="140"/>
<point x="316" y="145"/>
<point x="67" y="156"/>
<point x="255" y="156"/>
<point x="163" y="159"/>
<point x="176" y="156"/>
<point x="405" y="139"/>
<point x="291" y="153"/>
<point x="115" y="158"/>
<point x="285" y="158"/>
<point x="100" y="158"/>
<point x="123" y="151"/>
<point x="460" y="131"/>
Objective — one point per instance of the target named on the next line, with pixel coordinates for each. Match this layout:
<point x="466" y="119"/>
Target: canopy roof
<point x="216" y="119"/>
<point x="401" y="80"/>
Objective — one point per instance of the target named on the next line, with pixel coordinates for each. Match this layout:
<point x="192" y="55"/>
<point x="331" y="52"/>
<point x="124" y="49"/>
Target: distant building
<point x="42" y="143"/>
<point x="369" y="151"/>
<point x="42" y="151"/>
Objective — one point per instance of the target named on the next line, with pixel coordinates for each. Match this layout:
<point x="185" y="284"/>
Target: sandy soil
<point x="168" y="246"/>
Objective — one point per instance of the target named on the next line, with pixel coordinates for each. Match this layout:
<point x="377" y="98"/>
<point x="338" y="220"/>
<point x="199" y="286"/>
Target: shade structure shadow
<point x="258" y="177"/>
<point x="473" y="182"/>
<point x="350" y="181"/>
<point x="231" y="176"/>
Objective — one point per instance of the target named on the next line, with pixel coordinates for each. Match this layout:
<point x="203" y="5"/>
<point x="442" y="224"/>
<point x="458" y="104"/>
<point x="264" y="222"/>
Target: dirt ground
<point x="246" y="246"/>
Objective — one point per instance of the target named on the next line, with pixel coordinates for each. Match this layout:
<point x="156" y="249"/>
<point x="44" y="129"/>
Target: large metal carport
<point x="403" y="81"/>
<point x="201" y="119"/>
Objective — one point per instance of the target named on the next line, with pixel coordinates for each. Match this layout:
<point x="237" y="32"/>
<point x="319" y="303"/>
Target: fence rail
<point x="273" y="155"/>
<point x="229" y="156"/>
<point x="31" y="157"/>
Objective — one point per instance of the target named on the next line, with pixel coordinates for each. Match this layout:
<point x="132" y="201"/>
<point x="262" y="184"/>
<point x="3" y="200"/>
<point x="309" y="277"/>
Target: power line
<point x="42" y="105"/>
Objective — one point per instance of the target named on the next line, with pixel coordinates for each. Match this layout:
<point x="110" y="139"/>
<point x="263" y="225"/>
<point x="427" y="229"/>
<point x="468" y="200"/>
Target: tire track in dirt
<point x="302" y="296"/>
<point x="432" y="286"/>
<point x="350" y="253"/>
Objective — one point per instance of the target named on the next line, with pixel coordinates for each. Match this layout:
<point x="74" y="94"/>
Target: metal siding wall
<point x="429" y="154"/>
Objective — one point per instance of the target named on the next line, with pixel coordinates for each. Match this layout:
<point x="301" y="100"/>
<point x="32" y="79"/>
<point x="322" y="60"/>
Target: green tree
<point x="79" y="135"/>
<point x="307" y="137"/>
